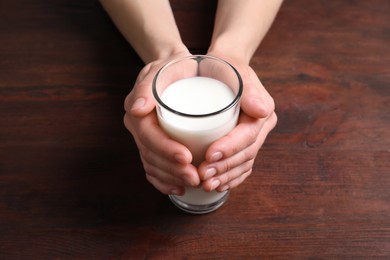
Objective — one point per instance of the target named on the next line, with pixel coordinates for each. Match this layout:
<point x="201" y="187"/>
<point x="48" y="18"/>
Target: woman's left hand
<point x="230" y="159"/>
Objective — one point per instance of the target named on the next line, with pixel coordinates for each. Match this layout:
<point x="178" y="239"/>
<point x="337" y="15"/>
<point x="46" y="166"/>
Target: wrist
<point x="231" y="50"/>
<point x="165" y="52"/>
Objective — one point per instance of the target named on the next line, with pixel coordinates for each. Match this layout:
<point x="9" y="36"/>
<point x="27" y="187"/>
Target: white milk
<point x="198" y="95"/>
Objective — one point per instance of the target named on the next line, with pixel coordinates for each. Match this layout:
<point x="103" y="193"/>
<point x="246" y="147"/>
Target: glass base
<point x="198" y="209"/>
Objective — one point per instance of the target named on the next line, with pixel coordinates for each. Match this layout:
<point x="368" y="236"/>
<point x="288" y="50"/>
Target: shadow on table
<point x="100" y="178"/>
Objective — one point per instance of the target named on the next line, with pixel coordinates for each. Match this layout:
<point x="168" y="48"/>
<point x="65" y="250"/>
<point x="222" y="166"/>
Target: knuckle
<point x="159" y="186"/>
<point x="248" y="166"/>
<point x="252" y="135"/>
<point x="146" y="157"/>
<point x="274" y="119"/>
<point x="251" y="152"/>
<point x="173" y="171"/>
<point x="271" y="105"/>
<point x="149" y="170"/>
<point x="150" y="178"/>
<point x="225" y="166"/>
<point x="224" y="178"/>
<point x="126" y="122"/>
<point x="142" y="135"/>
<point x="230" y="149"/>
<point x="127" y="103"/>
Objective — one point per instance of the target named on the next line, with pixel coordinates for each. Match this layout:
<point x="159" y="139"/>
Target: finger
<point x="158" y="150"/>
<point x="221" y="180"/>
<point x="155" y="139"/>
<point x="140" y="101"/>
<point x="229" y="165"/>
<point x="243" y="135"/>
<point x="235" y="182"/>
<point x="162" y="175"/>
<point x="229" y="169"/>
<point x="255" y="100"/>
<point x="169" y="171"/>
<point x="164" y="187"/>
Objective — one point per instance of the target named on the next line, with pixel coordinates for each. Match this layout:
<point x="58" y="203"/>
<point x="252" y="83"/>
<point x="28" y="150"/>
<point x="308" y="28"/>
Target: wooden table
<point x="71" y="181"/>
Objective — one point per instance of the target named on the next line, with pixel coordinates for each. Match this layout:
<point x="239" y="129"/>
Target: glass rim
<point x="197" y="58"/>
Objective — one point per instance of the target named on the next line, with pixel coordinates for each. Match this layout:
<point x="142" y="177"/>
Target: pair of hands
<point x="228" y="161"/>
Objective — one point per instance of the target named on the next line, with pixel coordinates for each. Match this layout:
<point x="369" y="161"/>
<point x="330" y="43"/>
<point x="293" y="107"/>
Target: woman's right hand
<point x="167" y="163"/>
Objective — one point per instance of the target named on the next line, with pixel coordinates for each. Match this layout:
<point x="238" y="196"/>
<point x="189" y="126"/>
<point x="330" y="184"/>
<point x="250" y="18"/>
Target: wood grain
<point x="71" y="181"/>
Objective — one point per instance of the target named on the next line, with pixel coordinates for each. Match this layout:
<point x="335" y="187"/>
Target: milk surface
<point x="198" y="96"/>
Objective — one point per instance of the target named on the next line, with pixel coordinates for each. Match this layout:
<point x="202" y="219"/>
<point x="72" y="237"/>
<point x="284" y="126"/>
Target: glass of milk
<point x="198" y="101"/>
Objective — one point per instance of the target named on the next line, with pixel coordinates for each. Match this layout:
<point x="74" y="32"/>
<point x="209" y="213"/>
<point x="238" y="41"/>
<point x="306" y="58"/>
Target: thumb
<point x="140" y="101"/>
<point x="255" y="100"/>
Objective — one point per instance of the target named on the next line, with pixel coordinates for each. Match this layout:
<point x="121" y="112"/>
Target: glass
<point x="198" y="101"/>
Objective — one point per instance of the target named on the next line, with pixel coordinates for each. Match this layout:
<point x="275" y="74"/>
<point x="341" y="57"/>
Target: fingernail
<point x="180" y="158"/>
<point x="140" y="102"/>
<point x="210" y="173"/>
<point x="257" y="101"/>
<point x="175" y="192"/>
<point x="216" y="157"/>
<point x="190" y="181"/>
<point x="260" y="105"/>
<point x="215" y="184"/>
<point x="223" y="188"/>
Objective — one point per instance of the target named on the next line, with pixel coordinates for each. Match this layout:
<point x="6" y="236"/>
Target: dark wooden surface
<point x="71" y="182"/>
